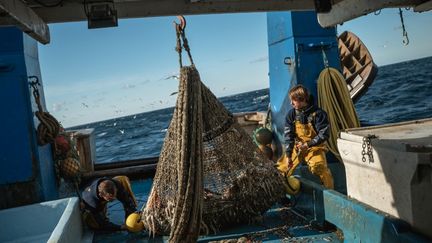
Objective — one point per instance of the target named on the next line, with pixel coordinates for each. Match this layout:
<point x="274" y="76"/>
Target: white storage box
<point x="393" y="172"/>
<point x="53" y="221"/>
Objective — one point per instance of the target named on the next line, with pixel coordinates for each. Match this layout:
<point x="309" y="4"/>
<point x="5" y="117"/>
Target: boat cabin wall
<point x="26" y="169"/>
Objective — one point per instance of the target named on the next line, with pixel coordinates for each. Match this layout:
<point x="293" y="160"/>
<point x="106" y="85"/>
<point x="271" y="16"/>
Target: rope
<point x="181" y="37"/>
<point x="268" y="118"/>
<point x="189" y="199"/>
<point x="188" y="204"/>
<point x="334" y="98"/>
<point x="49" y="127"/>
<point x="178" y="45"/>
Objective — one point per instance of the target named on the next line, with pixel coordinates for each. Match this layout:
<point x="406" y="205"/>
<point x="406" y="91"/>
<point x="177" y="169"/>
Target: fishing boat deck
<point x="279" y="224"/>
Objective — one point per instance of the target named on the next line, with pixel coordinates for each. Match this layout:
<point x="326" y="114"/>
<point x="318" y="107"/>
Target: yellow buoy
<point x="292" y="185"/>
<point x="134" y="223"/>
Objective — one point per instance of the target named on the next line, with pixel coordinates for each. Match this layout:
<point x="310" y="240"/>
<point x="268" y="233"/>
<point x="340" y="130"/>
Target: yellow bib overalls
<point x="314" y="156"/>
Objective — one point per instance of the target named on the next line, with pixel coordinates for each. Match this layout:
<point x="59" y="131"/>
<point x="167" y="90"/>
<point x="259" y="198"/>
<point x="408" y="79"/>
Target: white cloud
<point x="57" y="107"/>
<point x="128" y="86"/>
<point x="261" y="59"/>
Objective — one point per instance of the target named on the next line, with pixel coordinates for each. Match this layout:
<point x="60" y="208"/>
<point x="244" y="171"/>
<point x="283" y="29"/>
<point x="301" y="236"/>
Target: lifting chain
<point x="367" y="148"/>
<point x="405" y="39"/>
<point x="49" y="127"/>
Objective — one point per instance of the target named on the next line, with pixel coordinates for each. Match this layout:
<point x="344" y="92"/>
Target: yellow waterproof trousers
<point x="314" y="157"/>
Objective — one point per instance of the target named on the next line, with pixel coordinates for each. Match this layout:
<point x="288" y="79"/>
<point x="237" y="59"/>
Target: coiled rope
<point x="49" y="127"/>
<point x="334" y="98"/>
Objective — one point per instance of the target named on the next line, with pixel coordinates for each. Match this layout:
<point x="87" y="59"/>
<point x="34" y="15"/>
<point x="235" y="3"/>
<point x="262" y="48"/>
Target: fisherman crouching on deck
<point x="95" y="197"/>
<point x="306" y="132"/>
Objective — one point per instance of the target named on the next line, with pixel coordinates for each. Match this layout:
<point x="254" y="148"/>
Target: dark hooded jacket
<point x="97" y="206"/>
<point x="318" y="118"/>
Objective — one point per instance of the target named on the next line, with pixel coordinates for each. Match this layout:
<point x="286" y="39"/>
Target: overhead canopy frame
<point x="32" y="16"/>
<point x="15" y="12"/>
<point x="350" y="9"/>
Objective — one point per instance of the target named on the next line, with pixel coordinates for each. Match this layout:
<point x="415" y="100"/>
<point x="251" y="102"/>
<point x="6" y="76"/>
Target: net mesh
<point x="209" y="173"/>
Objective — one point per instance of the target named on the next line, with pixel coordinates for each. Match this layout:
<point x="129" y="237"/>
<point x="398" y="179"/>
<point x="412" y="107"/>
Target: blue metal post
<point x="296" y="42"/>
<point x="296" y="46"/>
<point x="26" y="169"/>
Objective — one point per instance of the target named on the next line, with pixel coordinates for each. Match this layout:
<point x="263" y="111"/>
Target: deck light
<point x="101" y="14"/>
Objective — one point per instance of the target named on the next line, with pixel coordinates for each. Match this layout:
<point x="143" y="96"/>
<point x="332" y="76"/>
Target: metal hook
<point x="35" y="82"/>
<point x="405" y="39"/>
<point x="182" y="25"/>
<point x="324" y="56"/>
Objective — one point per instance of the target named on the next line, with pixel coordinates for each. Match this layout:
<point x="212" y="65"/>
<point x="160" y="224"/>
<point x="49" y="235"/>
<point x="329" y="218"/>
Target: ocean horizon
<point x="389" y="99"/>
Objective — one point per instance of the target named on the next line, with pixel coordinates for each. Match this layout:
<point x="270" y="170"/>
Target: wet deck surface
<point x="279" y="224"/>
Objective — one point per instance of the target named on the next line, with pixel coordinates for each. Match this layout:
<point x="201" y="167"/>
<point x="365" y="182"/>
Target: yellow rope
<point x="334" y="98"/>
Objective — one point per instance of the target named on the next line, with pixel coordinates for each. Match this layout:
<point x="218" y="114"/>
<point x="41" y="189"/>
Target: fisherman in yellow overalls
<point x="306" y="133"/>
<point x="95" y="197"/>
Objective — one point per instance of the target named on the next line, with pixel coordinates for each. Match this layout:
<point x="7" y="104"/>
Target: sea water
<point x="400" y="92"/>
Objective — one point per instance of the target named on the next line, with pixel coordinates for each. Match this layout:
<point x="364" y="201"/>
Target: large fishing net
<point x="210" y="174"/>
